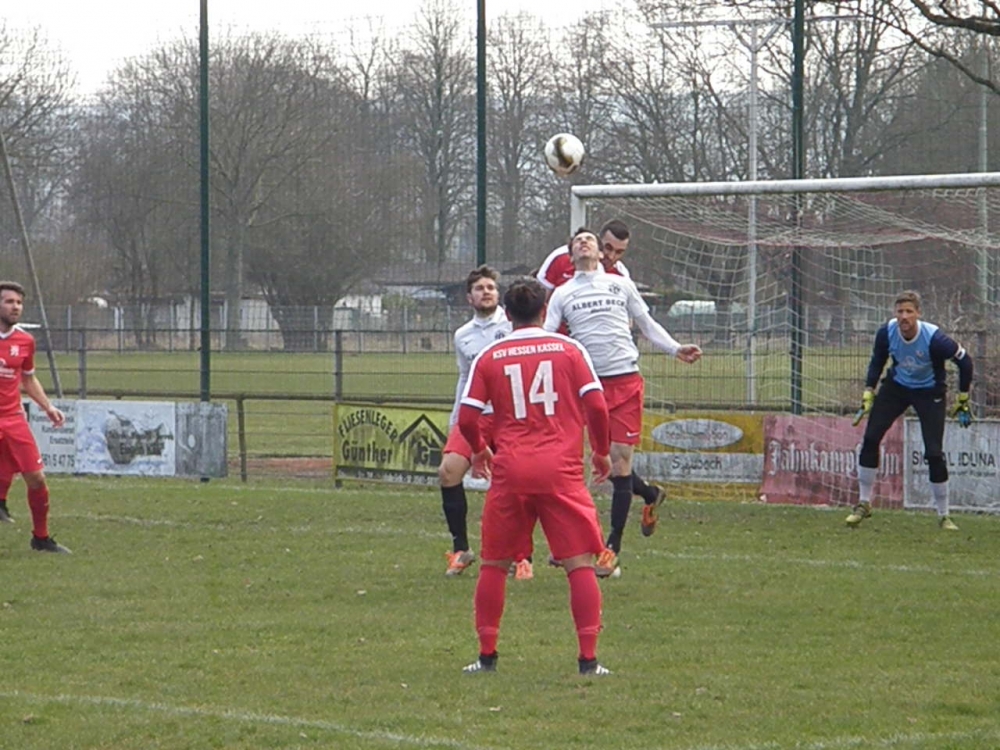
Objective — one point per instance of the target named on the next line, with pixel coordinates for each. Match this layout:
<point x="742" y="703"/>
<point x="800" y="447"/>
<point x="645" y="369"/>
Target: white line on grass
<point x="375" y="529"/>
<point x="382" y="530"/>
<point x="249" y="717"/>
<point x="817" y="563"/>
<point x="846" y="743"/>
<point x="193" y="487"/>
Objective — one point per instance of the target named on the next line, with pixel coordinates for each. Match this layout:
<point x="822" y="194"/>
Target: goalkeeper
<point x="916" y="378"/>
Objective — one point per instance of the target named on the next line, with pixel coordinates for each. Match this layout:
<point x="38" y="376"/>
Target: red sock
<point x="489" y="599"/>
<point x="5" y="483"/>
<point x="585" y="602"/>
<point x="38" y="502"/>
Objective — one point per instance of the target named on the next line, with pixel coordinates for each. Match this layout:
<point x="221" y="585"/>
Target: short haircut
<point x="12" y="286"/>
<point x="909" y="296"/>
<point x="524" y="300"/>
<point x="483" y="272"/>
<point x="617" y="227"/>
<point x="578" y="232"/>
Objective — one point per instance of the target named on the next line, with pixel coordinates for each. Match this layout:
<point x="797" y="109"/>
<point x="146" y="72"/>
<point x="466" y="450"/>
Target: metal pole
<point x="206" y="256"/>
<point x="982" y="255"/>
<point x="481" y="132"/>
<point x="30" y="260"/>
<point x="754" y="46"/>
<point x="798" y="172"/>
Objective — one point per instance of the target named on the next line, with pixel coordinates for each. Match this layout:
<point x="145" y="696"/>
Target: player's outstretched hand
<point x="482" y="464"/>
<point x="962" y="412"/>
<point x="601" y="466"/>
<point x="689" y="353"/>
<point x="867" y="399"/>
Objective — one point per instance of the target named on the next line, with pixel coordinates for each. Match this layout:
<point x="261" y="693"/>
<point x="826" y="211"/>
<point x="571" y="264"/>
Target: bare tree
<point x="134" y="190"/>
<point x="37" y="108"/>
<point x="520" y="72"/>
<point x="436" y="84"/>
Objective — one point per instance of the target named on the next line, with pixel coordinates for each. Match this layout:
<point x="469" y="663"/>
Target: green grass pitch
<point x="294" y="615"/>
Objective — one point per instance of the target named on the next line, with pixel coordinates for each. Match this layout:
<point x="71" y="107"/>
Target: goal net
<point x="783" y="284"/>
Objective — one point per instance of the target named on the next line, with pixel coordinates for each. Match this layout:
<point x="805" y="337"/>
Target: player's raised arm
<point x="663" y="341"/>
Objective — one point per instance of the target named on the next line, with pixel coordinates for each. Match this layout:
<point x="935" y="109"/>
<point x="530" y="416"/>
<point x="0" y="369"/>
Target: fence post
<point x="120" y="327"/>
<point x="81" y="360"/>
<point x="338" y="364"/>
<point x="406" y="326"/>
<point x="241" y="436"/>
<point x="315" y="328"/>
<point x="980" y="403"/>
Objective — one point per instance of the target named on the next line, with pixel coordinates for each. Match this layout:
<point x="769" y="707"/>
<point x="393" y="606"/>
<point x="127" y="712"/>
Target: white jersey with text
<point x="598" y="308"/>
<point x="470" y="339"/>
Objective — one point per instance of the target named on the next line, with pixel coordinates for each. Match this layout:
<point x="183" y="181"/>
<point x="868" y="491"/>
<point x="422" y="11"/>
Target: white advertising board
<point x="56" y="444"/>
<point x="973" y="458"/>
<point x="126" y="437"/>
<point x="715" y="468"/>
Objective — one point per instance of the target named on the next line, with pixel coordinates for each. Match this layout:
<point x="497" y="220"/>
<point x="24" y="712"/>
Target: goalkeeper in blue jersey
<point x="915" y="378"/>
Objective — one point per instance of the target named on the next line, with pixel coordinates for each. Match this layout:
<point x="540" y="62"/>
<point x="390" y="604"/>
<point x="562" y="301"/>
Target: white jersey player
<point x="599" y="307"/>
<point x="470" y="339"/>
<point x="489" y="323"/>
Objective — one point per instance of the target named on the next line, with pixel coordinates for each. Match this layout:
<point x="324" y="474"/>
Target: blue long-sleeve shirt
<point x="919" y="362"/>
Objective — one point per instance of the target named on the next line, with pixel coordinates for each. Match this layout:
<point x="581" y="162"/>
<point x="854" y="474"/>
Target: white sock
<point x="940" y="493"/>
<point x="866" y="483"/>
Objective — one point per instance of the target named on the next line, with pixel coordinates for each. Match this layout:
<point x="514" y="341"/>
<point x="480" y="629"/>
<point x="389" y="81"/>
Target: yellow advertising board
<point x="404" y="444"/>
<point x="376" y="442"/>
<point x="701" y="448"/>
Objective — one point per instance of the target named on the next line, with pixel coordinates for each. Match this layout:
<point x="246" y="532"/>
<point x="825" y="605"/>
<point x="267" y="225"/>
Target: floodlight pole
<point x="206" y="254"/>
<point x="30" y="260"/>
<point x="480" y="132"/>
<point x="983" y="256"/>
<point x="754" y="45"/>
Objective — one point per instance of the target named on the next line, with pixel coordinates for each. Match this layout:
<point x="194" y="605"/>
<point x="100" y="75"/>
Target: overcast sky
<point x="95" y="35"/>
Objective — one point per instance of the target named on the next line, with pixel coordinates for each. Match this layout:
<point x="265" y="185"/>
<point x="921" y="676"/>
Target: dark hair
<point x="483" y="272"/>
<point x="582" y="230"/>
<point x="524" y="300"/>
<point x="617" y="227"/>
<point x="12" y="286"/>
<point x="906" y="296"/>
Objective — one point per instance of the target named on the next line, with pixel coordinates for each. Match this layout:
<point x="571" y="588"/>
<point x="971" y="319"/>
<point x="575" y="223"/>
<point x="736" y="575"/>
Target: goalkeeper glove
<point x="962" y="412"/>
<point x="867" y="399"/>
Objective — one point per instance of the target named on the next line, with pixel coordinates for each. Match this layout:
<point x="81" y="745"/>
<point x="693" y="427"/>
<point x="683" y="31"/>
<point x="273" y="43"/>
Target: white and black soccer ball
<point x="564" y="154"/>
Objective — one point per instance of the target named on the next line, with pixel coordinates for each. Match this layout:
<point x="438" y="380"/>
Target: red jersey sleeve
<point x="556" y="269"/>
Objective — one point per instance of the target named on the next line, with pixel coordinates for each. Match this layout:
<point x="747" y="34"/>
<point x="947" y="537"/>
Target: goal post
<point x="801" y="216"/>
<point x="785" y="282"/>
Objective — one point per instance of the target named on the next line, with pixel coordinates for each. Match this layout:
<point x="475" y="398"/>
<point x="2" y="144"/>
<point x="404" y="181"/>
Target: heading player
<point x="555" y="271"/>
<point x="543" y="389"/>
<point x="489" y="323"/>
<point x="599" y="309"/>
<point x="916" y="378"/>
<point x="18" y="449"/>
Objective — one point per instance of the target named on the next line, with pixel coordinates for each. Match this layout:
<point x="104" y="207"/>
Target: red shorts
<point x="569" y="520"/>
<point x="458" y="444"/>
<point x="624" y="394"/>
<point x="18" y="449"/>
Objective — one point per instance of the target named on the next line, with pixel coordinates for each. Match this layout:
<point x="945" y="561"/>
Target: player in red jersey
<point x="555" y="271"/>
<point x="543" y="389"/>
<point x="18" y="450"/>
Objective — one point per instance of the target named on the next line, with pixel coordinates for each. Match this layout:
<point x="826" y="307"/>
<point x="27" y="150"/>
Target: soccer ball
<point x="564" y="154"/>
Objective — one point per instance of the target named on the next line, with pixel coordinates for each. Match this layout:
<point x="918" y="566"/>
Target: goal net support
<point x="783" y="284"/>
